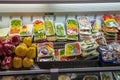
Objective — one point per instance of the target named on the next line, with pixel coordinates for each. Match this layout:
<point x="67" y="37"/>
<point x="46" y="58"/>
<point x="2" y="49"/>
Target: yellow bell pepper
<point x="21" y="51"/>
<point x="33" y="45"/>
<point x="27" y="62"/>
<point x="17" y="62"/>
<point x="31" y="52"/>
<point x="23" y="44"/>
<point x="27" y="41"/>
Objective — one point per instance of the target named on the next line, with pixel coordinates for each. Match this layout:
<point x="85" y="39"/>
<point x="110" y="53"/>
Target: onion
<point x="44" y="51"/>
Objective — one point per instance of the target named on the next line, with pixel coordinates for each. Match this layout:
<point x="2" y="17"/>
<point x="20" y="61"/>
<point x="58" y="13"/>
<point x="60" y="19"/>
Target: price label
<point x="54" y="70"/>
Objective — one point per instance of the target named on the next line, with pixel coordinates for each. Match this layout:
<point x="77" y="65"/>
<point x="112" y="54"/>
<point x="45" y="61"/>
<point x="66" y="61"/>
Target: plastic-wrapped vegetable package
<point x="15" y="25"/>
<point x="84" y="27"/>
<point x="39" y="30"/>
<point x="108" y="54"/>
<point x="50" y="30"/>
<point x="26" y="31"/>
<point x="45" y="51"/>
<point x="109" y="28"/>
<point x="72" y="29"/>
<point x="72" y="49"/>
<point x="60" y="31"/>
<point x="88" y="48"/>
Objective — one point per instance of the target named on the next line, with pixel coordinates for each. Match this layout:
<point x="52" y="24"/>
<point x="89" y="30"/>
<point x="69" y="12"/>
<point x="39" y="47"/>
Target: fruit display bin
<point x="109" y="64"/>
<point x="13" y="69"/>
<point x="68" y="64"/>
<point x="94" y="62"/>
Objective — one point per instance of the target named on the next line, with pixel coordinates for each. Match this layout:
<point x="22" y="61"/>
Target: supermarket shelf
<point x="90" y="69"/>
<point x="56" y="1"/>
<point x="63" y="7"/>
<point x="56" y="71"/>
<point x="24" y="72"/>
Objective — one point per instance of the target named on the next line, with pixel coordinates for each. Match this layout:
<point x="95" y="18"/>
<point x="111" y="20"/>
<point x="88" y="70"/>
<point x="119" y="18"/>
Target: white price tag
<point x="37" y="17"/>
<point x="16" y="17"/>
<point x="54" y="70"/>
<point x="71" y="16"/>
<point x="49" y="17"/>
<point x="27" y="20"/>
<point x="60" y="18"/>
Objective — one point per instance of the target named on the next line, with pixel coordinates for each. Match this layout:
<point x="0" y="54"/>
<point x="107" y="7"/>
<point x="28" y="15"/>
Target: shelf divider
<point x="90" y="69"/>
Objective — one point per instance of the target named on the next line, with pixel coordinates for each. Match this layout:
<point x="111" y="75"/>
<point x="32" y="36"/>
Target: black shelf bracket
<point x="54" y="74"/>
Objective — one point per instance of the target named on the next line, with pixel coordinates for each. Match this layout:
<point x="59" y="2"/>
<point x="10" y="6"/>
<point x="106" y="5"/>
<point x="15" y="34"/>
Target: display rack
<point x="60" y="7"/>
<point x="23" y="72"/>
<point x="55" y="1"/>
<point x="30" y="11"/>
<point x="55" y="72"/>
<point x="91" y="69"/>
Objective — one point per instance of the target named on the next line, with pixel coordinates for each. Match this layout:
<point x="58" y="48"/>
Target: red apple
<point x="2" y="52"/>
<point x="9" y="49"/>
<point x="15" y="40"/>
<point x="6" y="63"/>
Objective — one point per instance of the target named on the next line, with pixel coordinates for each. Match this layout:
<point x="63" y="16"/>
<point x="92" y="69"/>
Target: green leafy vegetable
<point x="62" y="51"/>
<point x="70" y="21"/>
<point x="72" y="48"/>
<point x="49" y="27"/>
<point x="15" y="23"/>
<point x="60" y="30"/>
<point x="72" y="37"/>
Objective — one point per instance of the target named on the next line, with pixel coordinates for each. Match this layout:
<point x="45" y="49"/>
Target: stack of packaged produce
<point x="72" y="29"/>
<point x="110" y="28"/>
<point x="97" y="32"/>
<point x="50" y="30"/>
<point x="39" y="30"/>
<point x="89" y="47"/>
<point x="89" y="34"/>
<point x="117" y="18"/>
<point x="84" y="28"/>
<point x="45" y="51"/>
<point x="110" y="53"/>
<point x="15" y="26"/>
<point x="60" y="31"/>
<point x="26" y="31"/>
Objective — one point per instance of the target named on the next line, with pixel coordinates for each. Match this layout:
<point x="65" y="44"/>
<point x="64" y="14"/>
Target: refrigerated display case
<point x="62" y="12"/>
